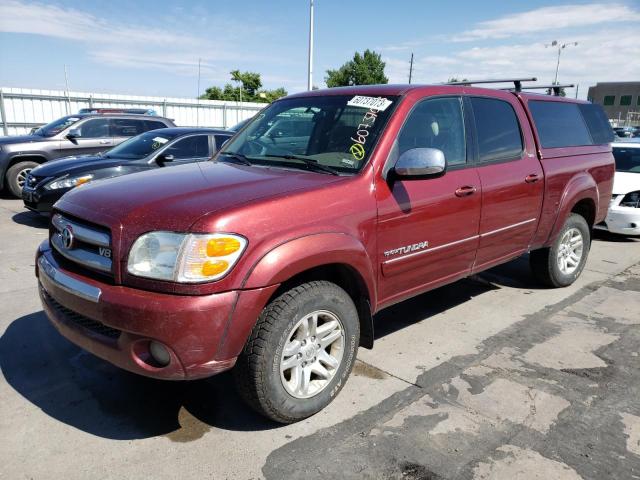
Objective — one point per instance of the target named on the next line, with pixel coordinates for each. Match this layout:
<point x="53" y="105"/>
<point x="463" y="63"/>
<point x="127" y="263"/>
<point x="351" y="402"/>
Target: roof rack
<point x="517" y="82"/>
<point x="554" y="87"/>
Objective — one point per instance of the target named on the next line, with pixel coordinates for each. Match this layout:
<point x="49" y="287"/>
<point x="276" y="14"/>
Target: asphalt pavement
<point x="492" y="377"/>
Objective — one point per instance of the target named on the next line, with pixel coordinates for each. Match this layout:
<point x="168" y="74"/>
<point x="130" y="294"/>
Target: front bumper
<point x="202" y="334"/>
<point x="40" y="200"/>
<point x="623" y="220"/>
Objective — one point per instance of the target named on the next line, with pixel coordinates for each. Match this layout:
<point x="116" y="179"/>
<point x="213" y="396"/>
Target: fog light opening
<point x="159" y="353"/>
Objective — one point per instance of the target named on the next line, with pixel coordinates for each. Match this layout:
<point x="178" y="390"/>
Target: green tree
<point x="249" y="89"/>
<point x="365" y="69"/>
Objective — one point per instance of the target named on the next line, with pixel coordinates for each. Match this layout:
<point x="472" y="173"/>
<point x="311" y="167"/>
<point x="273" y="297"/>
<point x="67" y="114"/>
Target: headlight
<point x="185" y="258"/>
<point x="68" y="182"/>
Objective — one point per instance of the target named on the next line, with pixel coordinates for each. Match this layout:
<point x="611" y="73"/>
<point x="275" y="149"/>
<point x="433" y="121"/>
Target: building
<point x="621" y="101"/>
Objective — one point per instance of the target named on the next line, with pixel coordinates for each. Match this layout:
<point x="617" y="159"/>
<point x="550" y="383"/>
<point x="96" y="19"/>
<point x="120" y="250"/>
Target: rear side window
<point x="499" y="136"/>
<point x="125" y="127"/>
<point x="561" y="124"/>
<point x="220" y="140"/>
<point x="597" y="123"/>
<point x="153" y="125"/>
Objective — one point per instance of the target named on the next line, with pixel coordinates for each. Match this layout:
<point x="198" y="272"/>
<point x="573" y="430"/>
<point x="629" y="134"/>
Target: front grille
<point x="81" y="244"/>
<point x="81" y="320"/>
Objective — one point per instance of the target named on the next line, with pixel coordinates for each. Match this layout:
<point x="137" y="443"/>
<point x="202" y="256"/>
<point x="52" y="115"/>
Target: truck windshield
<point x="55" y="127"/>
<point x="140" y="146"/>
<point x="627" y="159"/>
<point x="325" y="134"/>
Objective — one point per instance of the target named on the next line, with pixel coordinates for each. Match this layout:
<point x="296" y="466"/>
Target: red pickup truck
<point x="326" y="208"/>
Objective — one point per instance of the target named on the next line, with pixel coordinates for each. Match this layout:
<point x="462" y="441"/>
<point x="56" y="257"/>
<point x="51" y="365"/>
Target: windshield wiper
<point x="237" y="156"/>
<point x="314" y="164"/>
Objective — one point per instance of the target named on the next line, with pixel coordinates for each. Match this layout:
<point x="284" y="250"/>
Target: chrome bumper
<point x="67" y="283"/>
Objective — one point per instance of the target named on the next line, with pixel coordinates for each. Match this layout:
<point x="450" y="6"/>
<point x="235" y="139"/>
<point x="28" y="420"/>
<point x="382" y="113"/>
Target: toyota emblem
<point x="67" y="237"/>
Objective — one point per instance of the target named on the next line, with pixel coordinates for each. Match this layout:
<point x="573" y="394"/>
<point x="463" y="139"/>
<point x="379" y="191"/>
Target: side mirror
<point x="420" y="163"/>
<point x="164" y="158"/>
<point x="73" y="135"/>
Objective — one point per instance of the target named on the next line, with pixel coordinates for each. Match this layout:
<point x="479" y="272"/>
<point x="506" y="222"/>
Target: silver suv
<point x="71" y="135"/>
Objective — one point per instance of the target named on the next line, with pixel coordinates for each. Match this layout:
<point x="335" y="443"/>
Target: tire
<point x="547" y="263"/>
<point x="16" y="174"/>
<point x="276" y="393"/>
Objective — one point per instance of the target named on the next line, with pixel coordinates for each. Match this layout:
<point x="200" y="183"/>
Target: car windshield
<point x="328" y="134"/>
<point x="55" y="127"/>
<point x="140" y="146"/>
<point x="627" y="159"/>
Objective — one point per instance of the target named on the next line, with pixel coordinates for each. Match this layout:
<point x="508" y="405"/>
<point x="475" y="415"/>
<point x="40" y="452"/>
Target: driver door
<point x="94" y="137"/>
<point x="428" y="227"/>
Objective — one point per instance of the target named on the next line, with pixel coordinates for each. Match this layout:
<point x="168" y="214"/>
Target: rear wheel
<point x="17" y="176"/>
<point x="300" y="352"/>
<point x="562" y="263"/>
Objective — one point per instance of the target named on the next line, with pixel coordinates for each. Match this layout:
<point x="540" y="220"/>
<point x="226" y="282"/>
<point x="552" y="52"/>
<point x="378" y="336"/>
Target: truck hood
<point x="625" y="182"/>
<point x="22" y="139"/>
<point x="73" y="165"/>
<point x="174" y="198"/>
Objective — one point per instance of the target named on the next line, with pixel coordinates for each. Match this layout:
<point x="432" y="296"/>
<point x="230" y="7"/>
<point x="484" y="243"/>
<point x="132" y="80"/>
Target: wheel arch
<point x="335" y="257"/>
<point x="580" y="196"/>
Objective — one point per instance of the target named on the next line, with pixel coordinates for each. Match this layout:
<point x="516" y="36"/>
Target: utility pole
<point x="66" y="86"/>
<point x="310" y="70"/>
<point x="411" y="68"/>
<point x="577" y="88"/>
<point x="561" y="46"/>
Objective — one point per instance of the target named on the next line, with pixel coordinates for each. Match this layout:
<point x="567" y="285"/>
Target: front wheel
<point x="17" y="176"/>
<point x="562" y="263"/>
<point x="300" y="352"/>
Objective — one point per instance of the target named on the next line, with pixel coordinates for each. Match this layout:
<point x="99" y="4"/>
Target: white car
<point x="624" y="210"/>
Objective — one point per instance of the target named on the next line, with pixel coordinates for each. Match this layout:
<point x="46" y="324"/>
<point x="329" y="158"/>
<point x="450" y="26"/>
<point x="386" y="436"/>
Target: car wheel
<point x="300" y="352"/>
<point x="17" y="176"/>
<point x="562" y="263"/>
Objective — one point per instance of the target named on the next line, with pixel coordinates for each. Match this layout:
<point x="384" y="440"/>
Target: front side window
<point x="627" y="159"/>
<point x="153" y="125"/>
<point x="498" y="130"/>
<point x="190" y="147"/>
<point x="436" y="123"/>
<point x="95" y="128"/>
<point x="332" y="133"/>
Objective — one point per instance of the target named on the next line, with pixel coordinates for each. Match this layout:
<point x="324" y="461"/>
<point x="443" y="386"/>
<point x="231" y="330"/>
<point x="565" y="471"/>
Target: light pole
<point x="310" y="70"/>
<point x="561" y="46"/>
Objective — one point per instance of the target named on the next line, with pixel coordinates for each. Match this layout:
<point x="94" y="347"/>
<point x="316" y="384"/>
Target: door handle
<point x="465" y="191"/>
<point x="532" y="178"/>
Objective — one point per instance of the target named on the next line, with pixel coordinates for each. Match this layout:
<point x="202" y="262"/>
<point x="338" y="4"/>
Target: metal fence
<point x="21" y="109"/>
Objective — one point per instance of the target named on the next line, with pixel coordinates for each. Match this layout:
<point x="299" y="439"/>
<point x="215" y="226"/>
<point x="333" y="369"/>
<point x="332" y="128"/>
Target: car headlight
<point x="185" y="257"/>
<point x="68" y="182"/>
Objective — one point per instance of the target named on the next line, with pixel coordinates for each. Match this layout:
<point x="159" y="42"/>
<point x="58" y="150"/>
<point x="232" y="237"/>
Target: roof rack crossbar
<point x="554" y="87"/>
<point x="517" y="82"/>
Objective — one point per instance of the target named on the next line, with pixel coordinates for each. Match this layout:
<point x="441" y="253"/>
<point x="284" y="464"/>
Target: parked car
<point x="273" y="263"/>
<point x="624" y="210"/>
<point x="71" y="135"/>
<point x="138" y="111"/>
<point x="626" y="132"/>
<point x="240" y="125"/>
<point x="158" y="148"/>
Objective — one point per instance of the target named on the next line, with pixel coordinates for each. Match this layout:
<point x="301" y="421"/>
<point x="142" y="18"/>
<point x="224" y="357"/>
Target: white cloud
<point x="551" y="18"/>
<point x="129" y="46"/>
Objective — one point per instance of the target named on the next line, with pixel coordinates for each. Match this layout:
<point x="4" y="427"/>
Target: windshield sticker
<point x="157" y="142"/>
<point x="376" y="103"/>
<point x="357" y="149"/>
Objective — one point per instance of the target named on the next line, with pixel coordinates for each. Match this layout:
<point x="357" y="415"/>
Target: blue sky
<point x="152" y="47"/>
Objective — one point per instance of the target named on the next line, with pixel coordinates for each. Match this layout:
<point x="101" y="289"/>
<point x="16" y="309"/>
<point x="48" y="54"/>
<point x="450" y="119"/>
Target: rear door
<point x="124" y="128"/>
<point x="428" y="228"/>
<point x="511" y="176"/>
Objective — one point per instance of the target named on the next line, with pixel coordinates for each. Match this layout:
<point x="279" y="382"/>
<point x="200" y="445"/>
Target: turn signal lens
<point x="216" y="267"/>
<point x="222" y="246"/>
